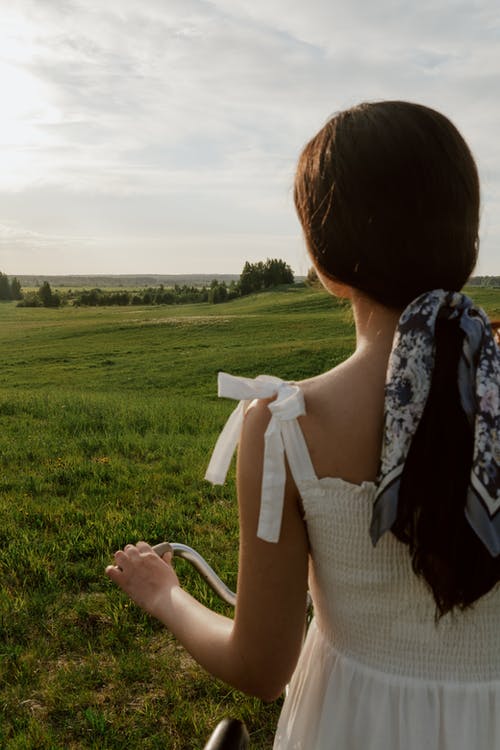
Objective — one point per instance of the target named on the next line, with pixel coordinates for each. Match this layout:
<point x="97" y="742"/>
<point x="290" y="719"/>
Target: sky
<point x="161" y="136"/>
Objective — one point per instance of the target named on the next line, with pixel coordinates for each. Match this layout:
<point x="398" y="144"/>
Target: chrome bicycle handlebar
<point x="200" y="564"/>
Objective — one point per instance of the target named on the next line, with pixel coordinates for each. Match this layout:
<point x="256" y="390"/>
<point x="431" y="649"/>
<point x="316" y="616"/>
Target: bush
<point x="31" y="299"/>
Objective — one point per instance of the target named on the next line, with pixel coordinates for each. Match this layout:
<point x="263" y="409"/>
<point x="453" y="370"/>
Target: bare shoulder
<point x="343" y="421"/>
<point x="257" y="417"/>
<point x="342" y="424"/>
<point x="325" y="390"/>
<point x="251" y="443"/>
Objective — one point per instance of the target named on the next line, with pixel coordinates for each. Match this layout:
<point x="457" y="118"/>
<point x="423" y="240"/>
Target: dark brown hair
<point x="388" y="197"/>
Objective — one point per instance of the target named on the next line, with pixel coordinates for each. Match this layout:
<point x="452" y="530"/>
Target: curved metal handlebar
<point x="201" y="565"/>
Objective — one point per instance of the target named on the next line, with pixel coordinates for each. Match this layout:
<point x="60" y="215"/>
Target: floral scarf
<point x="408" y="384"/>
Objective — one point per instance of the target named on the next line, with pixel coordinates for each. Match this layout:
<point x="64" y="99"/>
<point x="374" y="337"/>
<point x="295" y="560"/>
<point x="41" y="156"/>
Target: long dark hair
<point x="388" y="197"/>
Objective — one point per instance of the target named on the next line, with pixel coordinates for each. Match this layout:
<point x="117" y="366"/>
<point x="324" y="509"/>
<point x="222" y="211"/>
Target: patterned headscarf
<point x="408" y="384"/>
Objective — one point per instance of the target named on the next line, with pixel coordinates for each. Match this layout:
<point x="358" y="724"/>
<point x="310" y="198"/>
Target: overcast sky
<point x="160" y="136"/>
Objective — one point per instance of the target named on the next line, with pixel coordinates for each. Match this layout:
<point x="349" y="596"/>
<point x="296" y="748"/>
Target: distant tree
<point x="257" y="276"/>
<point x="218" y="292"/>
<point x="167" y="298"/>
<point x="234" y="290"/>
<point x="117" y="298"/>
<point x="15" y="289"/>
<point x="4" y="287"/>
<point x="47" y="296"/>
<point x="89" y="297"/>
<point x="276" y="272"/>
<point x="222" y="289"/>
<point x="312" y="278"/>
<point x="250" y="278"/>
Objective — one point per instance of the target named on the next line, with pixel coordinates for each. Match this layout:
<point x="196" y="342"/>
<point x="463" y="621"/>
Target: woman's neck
<point x="375" y="325"/>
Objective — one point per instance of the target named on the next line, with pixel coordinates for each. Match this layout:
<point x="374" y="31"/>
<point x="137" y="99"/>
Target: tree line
<point x="254" y="278"/>
<point x="218" y="291"/>
<point x="485" y="281"/>
<point x="10" y="288"/>
<point x="264" y="275"/>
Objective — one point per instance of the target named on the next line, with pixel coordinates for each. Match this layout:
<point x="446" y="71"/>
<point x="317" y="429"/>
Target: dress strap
<point x="282" y="431"/>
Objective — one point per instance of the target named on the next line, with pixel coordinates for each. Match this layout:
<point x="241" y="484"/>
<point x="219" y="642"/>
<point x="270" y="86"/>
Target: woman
<point x="386" y="503"/>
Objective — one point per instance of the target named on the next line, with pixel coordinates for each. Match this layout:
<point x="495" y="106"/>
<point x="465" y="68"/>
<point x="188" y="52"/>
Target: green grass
<point x="107" y="419"/>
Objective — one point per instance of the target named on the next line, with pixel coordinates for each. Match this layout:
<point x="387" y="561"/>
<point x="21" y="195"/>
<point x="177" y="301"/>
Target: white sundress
<point x="375" y="672"/>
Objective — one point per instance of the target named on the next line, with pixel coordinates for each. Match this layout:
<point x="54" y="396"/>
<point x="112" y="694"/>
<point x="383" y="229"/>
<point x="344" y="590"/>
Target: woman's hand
<point x="145" y="577"/>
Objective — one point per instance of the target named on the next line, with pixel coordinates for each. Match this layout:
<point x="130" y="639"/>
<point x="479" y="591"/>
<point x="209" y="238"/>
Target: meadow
<point x="107" y="420"/>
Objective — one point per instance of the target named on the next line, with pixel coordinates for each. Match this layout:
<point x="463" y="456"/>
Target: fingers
<point x="122" y="558"/>
<point x="167" y="556"/>
<point x="143" y="547"/>
<point x="131" y="553"/>
<point x="113" y="572"/>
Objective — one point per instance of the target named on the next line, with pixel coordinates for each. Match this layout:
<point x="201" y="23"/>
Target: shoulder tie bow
<point x="288" y="405"/>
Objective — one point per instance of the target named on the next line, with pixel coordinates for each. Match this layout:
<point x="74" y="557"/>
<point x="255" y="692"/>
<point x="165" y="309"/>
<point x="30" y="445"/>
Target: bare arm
<point x="256" y="652"/>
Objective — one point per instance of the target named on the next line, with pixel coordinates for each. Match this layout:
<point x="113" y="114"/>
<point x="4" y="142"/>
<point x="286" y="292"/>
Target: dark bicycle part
<point x="229" y="734"/>
<point x="201" y="565"/>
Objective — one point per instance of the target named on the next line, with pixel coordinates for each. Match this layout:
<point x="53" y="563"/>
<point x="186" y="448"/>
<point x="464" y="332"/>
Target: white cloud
<point x="182" y="113"/>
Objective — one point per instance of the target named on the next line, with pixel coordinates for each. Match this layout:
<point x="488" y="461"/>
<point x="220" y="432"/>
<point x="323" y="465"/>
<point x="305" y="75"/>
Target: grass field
<point x="107" y="420"/>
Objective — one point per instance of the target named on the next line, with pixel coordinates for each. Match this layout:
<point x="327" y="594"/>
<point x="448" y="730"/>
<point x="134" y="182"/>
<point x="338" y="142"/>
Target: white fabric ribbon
<point x="288" y="405"/>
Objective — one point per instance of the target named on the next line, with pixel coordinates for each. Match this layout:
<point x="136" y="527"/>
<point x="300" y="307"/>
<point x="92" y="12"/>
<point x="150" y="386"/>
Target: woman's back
<point x="368" y="599"/>
<point x="378" y="670"/>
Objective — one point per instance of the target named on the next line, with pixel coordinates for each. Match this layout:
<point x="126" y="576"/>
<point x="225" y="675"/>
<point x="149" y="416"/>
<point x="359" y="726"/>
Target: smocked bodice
<point x="371" y="605"/>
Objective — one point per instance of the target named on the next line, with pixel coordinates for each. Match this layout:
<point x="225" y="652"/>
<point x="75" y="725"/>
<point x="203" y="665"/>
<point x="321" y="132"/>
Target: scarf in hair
<point x="408" y="384"/>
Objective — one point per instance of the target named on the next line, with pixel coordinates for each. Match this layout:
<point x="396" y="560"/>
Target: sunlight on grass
<point x="107" y="420"/>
